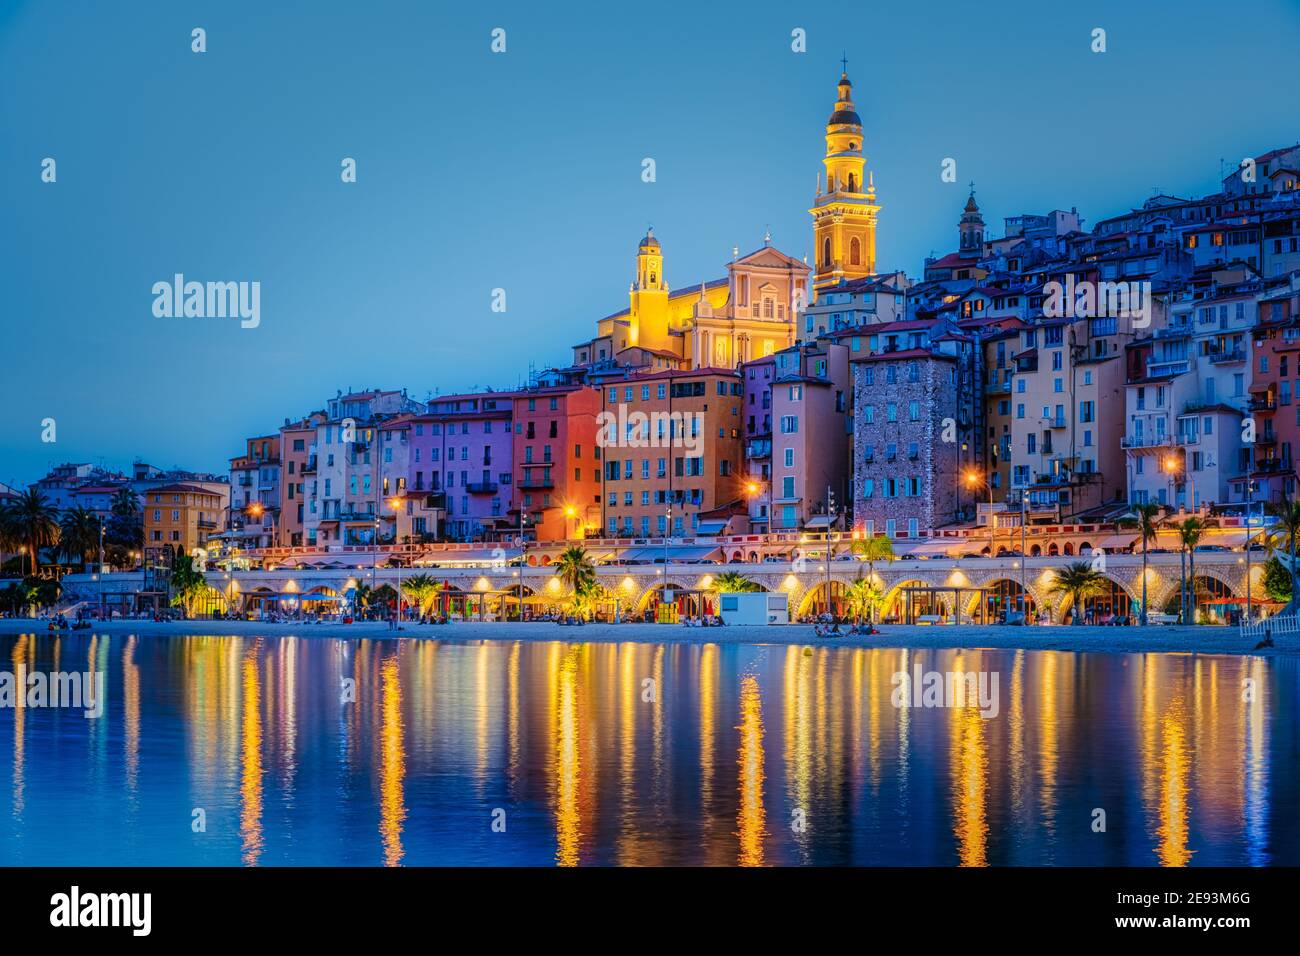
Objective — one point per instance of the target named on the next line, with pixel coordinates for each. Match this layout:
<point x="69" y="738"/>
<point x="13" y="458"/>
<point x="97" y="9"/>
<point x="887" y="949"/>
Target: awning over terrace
<point x="935" y="549"/>
<point x="676" y="554"/>
<point x="468" y="558"/>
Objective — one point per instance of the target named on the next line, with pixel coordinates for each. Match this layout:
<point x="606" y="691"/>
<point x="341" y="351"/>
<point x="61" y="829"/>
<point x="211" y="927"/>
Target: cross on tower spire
<point x="844" y="62"/>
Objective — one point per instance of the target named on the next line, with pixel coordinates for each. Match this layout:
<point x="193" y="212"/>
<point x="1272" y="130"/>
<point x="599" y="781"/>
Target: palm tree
<point x="1189" y="535"/>
<point x="79" y="534"/>
<point x="188" y="584"/>
<point x="1077" y="581"/>
<point x="730" y="582"/>
<point x="861" y="598"/>
<point x="382" y="597"/>
<point x="425" y="590"/>
<point x="126" y="521"/>
<point x="575" y="569"/>
<point x="35" y="523"/>
<point x="1287" y="528"/>
<point x="1144" y="518"/>
<point x="9" y="540"/>
<point x="873" y="549"/>
<point x="360" y="598"/>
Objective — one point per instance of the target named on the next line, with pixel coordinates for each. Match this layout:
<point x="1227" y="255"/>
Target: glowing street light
<point x="973" y="480"/>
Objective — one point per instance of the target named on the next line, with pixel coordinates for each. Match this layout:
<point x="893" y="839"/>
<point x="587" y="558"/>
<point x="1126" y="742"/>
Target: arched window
<point x="855" y="252"/>
<point x="826" y="251"/>
<point x="853" y="183"/>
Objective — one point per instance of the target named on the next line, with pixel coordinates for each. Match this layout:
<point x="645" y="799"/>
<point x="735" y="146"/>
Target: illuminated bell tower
<point x="649" y="296"/>
<point x="844" y="213"/>
<point x="970" y="230"/>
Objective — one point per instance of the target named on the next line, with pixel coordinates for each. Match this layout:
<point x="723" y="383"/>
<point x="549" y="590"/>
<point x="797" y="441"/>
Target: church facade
<point x="752" y="311"/>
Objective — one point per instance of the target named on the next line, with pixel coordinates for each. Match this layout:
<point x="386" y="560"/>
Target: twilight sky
<point x="522" y="171"/>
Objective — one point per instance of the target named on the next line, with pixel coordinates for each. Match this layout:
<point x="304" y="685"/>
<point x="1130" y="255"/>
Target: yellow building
<point x="718" y="324"/>
<point x="182" y="516"/>
<point x="844" y="215"/>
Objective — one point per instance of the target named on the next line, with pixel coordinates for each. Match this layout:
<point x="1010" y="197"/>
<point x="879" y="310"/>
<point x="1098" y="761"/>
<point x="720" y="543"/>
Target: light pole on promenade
<point x="974" y="480"/>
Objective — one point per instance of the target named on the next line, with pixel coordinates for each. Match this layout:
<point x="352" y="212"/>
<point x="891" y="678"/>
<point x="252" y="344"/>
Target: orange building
<point x="182" y="516"/>
<point x="671" y="448"/>
<point x="556" y="461"/>
<point x="297" y="456"/>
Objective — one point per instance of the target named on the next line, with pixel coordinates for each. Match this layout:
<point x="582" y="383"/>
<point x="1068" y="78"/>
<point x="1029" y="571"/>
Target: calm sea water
<point x="642" y="754"/>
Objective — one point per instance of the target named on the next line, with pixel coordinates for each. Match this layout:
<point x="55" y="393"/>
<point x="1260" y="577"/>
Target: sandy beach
<point x="1120" y="640"/>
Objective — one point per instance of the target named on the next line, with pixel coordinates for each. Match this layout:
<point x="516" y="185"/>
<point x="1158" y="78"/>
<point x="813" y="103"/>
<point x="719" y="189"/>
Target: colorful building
<point x="462" y="459"/>
<point x="298" y="466"/>
<point x="556" y="462"/>
<point x="253" y="521"/>
<point x="797" y="467"/>
<point x="913" y="435"/>
<point x="183" y="517"/>
<point x="671" y="449"/>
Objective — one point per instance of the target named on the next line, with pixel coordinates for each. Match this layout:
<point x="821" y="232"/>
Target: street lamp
<point x="374" y="555"/>
<point x="753" y="489"/>
<point x="974" y="480"/>
<point x="396" y="503"/>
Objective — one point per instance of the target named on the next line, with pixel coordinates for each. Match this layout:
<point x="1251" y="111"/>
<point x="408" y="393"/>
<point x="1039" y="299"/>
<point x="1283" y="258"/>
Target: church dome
<point x="844" y="118"/>
<point x="649" y="242"/>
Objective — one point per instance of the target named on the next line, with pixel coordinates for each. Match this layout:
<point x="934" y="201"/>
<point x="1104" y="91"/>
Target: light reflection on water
<point x="323" y="751"/>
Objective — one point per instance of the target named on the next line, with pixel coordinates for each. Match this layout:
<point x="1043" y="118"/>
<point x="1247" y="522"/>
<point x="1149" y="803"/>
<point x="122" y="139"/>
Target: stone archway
<point x="651" y="595"/>
<point x="1004" y="594"/>
<point x="1116" y="600"/>
<point x="892" y="606"/>
<point x="813" y="599"/>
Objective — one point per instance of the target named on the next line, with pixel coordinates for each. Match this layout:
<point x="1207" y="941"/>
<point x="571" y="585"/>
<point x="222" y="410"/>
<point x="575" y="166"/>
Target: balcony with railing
<point x="1146" y="441"/>
<point x="1263" y="404"/>
<point x="482" y="487"/>
<point x="997" y="388"/>
<point x="1157" y="368"/>
<point x="1226" y="356"/>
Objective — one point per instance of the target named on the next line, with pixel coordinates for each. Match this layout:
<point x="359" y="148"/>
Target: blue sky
<point x="522" y="171"/>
